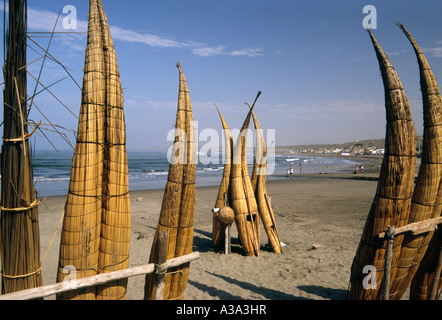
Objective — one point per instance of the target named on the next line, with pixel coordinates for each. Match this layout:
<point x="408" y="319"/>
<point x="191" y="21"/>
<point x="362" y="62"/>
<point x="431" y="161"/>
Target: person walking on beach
<point x="300" y="166"/>
<point x="291" y="172"/>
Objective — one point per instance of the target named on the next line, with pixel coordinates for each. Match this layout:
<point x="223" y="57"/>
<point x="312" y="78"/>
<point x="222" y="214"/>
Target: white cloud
<point x="436" y="51"/>
<point x="145" y="38"/>
<point x="43" y="20"/>
<point x="250" y="52"/>
<point x="396" y="53"/>
<point x="209" y="51"/>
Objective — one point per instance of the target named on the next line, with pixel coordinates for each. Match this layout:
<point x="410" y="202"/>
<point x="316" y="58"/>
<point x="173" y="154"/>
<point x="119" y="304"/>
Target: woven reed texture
<point x="422" y="282"/>
<point x="95" y="235"/>
<point x="248" y="188"/>
<point x="178" y="206"/>
<point x="243" y="200"/>
<point x="20" y="238"/>
<point x="259" y="164"/>
<point x="392" y="201"/>
<point x="264" y="205"/>
<point x="218" y="229"/>
<point x="428" y="181"/>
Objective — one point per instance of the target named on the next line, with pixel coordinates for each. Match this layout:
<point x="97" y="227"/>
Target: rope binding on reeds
<point x="22" y="275"/>
<point x="31" y="206"/>
<point x="22" y="139"/>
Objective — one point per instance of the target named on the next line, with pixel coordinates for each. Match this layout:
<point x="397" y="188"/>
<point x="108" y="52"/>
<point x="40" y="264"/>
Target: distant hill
<point x="362" y="144"/>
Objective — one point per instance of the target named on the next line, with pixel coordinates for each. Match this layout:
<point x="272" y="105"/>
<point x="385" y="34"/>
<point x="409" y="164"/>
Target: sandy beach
<point x="319" y="217"/>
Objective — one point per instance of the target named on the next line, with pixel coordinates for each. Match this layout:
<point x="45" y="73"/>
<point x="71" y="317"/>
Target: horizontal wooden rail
<point x="99" y="279"/>
<point x="417" y="227"/>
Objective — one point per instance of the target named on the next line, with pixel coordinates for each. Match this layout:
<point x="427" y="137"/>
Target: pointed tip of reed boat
<point x="399" y="24"/>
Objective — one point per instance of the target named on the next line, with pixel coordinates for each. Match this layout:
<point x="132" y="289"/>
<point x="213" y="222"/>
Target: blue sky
<point x="312" y="60"/>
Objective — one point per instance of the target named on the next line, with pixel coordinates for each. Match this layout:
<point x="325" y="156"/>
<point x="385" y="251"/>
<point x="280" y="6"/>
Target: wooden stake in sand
<point x="391" y="205"/>
<point x="427" y="196"/>
<point x="161" y="265"/>
<point x="219" y="230"/>
<point x="20" y="238"/>
<point x="96" y="228"/>
<point x="225" y="216"/>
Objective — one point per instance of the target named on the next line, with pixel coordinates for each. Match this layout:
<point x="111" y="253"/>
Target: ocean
<point x="148" y="169"/>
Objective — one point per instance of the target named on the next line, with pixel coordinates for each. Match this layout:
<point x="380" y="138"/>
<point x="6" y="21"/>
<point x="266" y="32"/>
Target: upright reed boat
<point x="427" y="197"/>
<point x="259" y="175"/>
<point x="218" y="229"/>
<point x="19" y="228"/>
<point x="242" y="195"/>
<point x="391" y="205"/>
<point x="95" y="235"/>
<point x="178" y="207"/>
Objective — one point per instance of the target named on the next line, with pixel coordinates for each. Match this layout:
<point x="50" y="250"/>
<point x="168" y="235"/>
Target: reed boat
<point x="242" y="195"/>
<point x="223" y="198"/>
<point x="392" y="201"/>
<point x="95" y="233"/>
<point x="178" y="206"/>
<point x="426" y="202"/>
<point x="259" y="174"/>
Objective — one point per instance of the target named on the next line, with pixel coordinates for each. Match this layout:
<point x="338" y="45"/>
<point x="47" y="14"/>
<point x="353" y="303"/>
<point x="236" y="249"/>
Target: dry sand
<point x="324" y="211"/>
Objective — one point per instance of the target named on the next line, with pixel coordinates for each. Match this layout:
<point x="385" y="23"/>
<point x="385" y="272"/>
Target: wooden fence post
<point x="161" y="265"/>
<point x="388" y="257"/>
<point x="227" y="242"/>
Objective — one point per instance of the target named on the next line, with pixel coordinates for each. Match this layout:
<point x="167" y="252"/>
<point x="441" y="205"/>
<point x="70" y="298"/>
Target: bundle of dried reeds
<point x="264" y="205"/>
<point x="429" y="178"/>
<point x="218" y="229"/>
<point x="96" y="226"/>
<point x="249" y="190"/>
<point x="178" y="207"/>
<point x="427" y="283"/>
<point x="115" y="222"/>
<point x="258" y="161"/>
<point x="242" y="195"/>
<point x="392" y="201"/>
<point x="184" y="242"/>
<point x="20" y="239"/>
